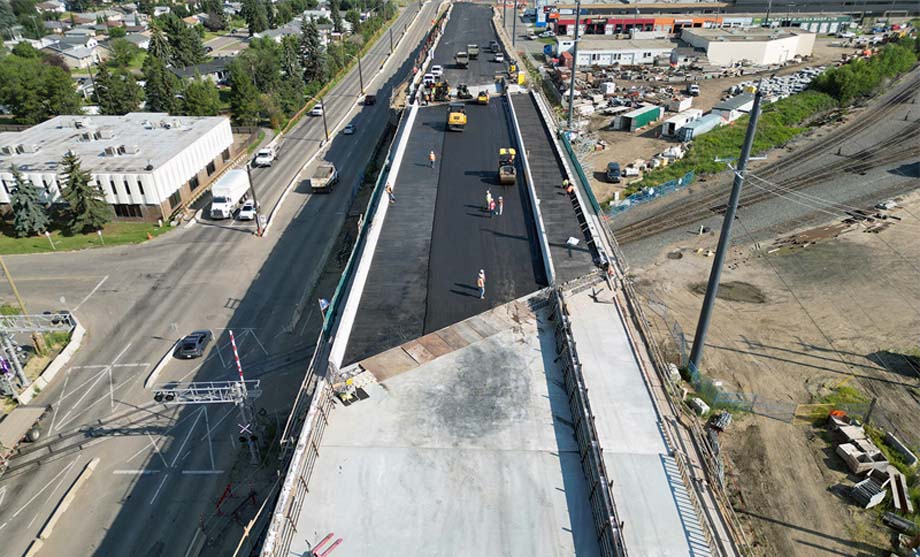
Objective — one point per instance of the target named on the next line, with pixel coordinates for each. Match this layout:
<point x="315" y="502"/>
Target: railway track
<point x="894" y="149"/>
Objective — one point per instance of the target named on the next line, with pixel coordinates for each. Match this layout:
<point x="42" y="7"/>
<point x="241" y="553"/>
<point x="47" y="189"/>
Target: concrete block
<point x="909" y="457"/>
<point x="699" y="406"/>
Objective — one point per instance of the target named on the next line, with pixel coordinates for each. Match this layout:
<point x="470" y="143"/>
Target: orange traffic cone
<point x="149" y="236"/>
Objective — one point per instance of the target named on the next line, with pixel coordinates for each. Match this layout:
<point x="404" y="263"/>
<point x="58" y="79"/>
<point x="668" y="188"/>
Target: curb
<point x="160" y="365"/>
<point x="66" y="501"/>
<point x="194" y="219"/>
<point x="55" y="367"/>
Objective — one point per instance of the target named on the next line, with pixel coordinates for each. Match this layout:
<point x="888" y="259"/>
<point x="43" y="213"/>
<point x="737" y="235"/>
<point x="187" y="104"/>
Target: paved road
<point x="159" y="475"/>
<point x="437" y="236"/>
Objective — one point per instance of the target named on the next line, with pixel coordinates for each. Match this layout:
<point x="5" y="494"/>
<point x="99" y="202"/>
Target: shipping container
<point x="640" y="117"/>
<point x="674" y="123"/>
<point x="680" y="104"/>
<point x="699" y="127"/>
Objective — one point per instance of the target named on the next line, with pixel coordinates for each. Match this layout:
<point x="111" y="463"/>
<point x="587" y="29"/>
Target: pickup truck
<point x="324" y="178"/>
<point x="265" y="157"/>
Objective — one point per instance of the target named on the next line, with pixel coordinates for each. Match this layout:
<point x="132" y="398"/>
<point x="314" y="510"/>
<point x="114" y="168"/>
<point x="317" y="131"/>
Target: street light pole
<point x="361" y="73"/>
<point x="574" y="64"/>
<point x="391" y="39"/>
<point x="514" y="22"/>
<point x="322" y="108"/>
<point x="505" y="14"/>
<point x="699" y="338"/>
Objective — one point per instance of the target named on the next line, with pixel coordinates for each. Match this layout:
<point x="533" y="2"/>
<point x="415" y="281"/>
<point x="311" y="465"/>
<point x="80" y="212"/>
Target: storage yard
<point x="818" y="301"/>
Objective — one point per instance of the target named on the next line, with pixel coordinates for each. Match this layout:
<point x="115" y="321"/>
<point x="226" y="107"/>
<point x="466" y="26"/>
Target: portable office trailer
<point x="639" y="118"/>
<point x="697" y="128"/>
<point x="674" y="123"/>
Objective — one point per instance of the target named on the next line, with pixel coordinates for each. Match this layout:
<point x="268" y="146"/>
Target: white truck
<point x="324" y="178"/>
<point x="228" y="192"/>
<point x="264" y="157"/>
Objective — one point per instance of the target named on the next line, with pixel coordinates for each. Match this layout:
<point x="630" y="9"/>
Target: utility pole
<point x="514" y="23"/>
<point x="505" y="14"/>
<point x="391" y="39"/>
<point x="574" y="65"/>
<point x="361" y="73"/>
<point x="322" y="107"/>
<point x="255" y="202"/>
<point x="37" y="340"/>
<point x="699" y="338"/>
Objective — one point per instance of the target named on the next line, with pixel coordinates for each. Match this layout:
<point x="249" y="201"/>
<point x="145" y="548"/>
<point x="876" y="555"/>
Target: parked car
<point x="349" y="129"/>
<point x="193" y="345"/>
<point x="437" y="71"/>
<point x="613" y="172"/>
<point x="317" y="110"/>
<point x="247" y="211"/>
<point x="531" y="36"/>
<point x="499" y="57"/>
<point x="693" y="89"/>
<point x="428" y="79"/>
<point x="546" y="35"/>
<point x="370" y="100"/>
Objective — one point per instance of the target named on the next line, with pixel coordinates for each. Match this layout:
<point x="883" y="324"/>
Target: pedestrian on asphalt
<point x="431" y="158"/>
<point x="492" y="210"/>
<point x="501" y="205"/>
<point x="481" y="284"/>
<point x="565" y="184"/>
<point x="390" y="193"/>
<point x="488" y="199"/>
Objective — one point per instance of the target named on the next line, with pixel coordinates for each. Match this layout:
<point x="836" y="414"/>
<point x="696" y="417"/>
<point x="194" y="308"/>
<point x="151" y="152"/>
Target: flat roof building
<point x="756" y="45"/>
<point x="147" y="164"/>
<point x="607" y="51"/>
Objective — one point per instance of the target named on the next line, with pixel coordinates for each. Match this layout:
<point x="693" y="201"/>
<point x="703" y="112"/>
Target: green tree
<point x="244" y="97"/>
<point x="123" y="52"/>
<point x="118" y="92"/>
<point x="7" y="17"/>
<point x="200" y="98"/>
<point x="336" y="16"/>
<point x="255" y="15"/>
<point x="354" y="19"/>
<point x="160" y="86"/>
<point x="312" y="56"/>
<point x="29" y="216"/>
<point x="185" y="45"/>
<point x="35" y="91"/>
<point x="117" y="32"/>
<point x="216" y="19"/>
<point x="284" y="13"/>
<point x="86" y="210"/>
<point x="159" y="44"/>
<point x="262" y="61"/>
<point x="25" y="50"/>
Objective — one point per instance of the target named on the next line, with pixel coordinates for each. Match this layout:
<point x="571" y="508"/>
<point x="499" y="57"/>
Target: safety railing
<point x="607" y="524"/>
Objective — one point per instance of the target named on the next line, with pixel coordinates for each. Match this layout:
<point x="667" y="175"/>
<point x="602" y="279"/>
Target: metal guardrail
<point x="607" y="523"/>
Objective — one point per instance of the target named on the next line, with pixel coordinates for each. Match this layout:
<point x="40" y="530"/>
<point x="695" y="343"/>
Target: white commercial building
<point x="608" y="51"/>
<point x="761" y="46"/>
<point x="147" y="164"/>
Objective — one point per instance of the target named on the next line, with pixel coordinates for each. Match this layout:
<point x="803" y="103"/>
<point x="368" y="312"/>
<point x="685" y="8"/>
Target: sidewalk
<point x="651" y="498"/>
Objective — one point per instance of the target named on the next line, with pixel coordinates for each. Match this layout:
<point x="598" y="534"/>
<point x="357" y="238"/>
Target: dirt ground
<point x="797" y="323"/>
<point x="624" y="147"/>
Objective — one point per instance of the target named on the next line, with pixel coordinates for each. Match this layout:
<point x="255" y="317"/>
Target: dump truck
<point x="456" y="117"/>
<point x="507" y="171"/>
<point x="21" y="425"/>
<point x="462" y="59"/>
<point x="483" y="97"/>
<point x="473" y="51"/>
<point x="324" y="178"/>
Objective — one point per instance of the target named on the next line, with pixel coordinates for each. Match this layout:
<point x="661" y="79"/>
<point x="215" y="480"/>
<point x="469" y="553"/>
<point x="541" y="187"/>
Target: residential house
<point x="277" y="34"/>
<point x="160" y="11"/>
<point x="233" y="8"/>
<point x="140" y="40"/>
<point x="76" y="57"/>
<point x="216" y="70"/>
<point x="56" y="26"/>
<point x="81" y="31"/>
<point x="51" y="6"/>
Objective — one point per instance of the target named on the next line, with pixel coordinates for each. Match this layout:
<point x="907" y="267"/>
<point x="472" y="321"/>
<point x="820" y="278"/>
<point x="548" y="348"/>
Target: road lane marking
<point x="85" y="394"/>
<point x="142" y="364"/>
<point x="187" y="435"/>
<point x="157" y="492"/>
<point x="134" y="472"/>
<point x="172" y="427"/>
<point x="47" y="485"/>
<point x="93" y="291"/>
<point x="253" y="333"/>
<point x="2" y="495"/>
<point x="202" y="472"/>
<point x="65" y="421"/>
<point x="217" y="423"/>
<point x="58" y="406"/>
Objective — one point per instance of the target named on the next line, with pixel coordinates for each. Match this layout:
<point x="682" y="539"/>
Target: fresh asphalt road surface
<point x="159" y="475"/>
<point x="469" y="24"/>
<point x="437" y="235"/>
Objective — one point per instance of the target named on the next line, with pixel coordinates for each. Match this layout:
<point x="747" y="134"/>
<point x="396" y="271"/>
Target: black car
<point x="193" y="345"/>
